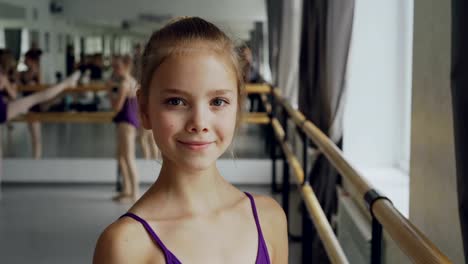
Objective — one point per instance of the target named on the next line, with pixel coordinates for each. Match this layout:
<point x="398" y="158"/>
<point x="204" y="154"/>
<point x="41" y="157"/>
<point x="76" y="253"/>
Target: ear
<point x="145" y="120"/>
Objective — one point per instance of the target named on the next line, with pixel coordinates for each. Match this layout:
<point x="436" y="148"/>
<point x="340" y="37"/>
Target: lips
<point x="195" y="145"/>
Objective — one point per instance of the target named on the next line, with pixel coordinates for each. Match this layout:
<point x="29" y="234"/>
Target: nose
<point x="198" y="121"/>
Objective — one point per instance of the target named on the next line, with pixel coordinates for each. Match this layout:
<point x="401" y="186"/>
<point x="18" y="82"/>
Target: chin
<point x="199" y="163"/>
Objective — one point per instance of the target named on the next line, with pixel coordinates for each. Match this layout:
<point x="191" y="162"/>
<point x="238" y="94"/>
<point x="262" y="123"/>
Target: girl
<point x="32" y="77"/>
<point x="190" y="98"/>
<point x="15" y="107"/>
<point x="145" y="137"/>
<point x="126" y="106"/>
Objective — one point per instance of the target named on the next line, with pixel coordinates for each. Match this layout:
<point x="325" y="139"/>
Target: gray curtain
<point x="256" y="44"/>
<point x="459" y="83"/>
<point x="275" y="17"/>
<point x="326" y="34"/>
<point x="288" y="67"/>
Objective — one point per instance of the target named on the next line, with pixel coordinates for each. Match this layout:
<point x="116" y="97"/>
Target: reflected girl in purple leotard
<point x="124" y="103"/>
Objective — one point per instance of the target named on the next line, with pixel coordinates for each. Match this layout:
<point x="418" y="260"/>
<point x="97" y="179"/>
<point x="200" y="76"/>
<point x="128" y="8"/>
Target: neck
<point x="196" y="191"/>
<point x="34" y="67"/>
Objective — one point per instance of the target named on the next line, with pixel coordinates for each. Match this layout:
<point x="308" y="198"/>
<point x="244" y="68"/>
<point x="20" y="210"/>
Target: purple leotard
<point x="3" y="108"/>
<point x="128" y="113"/>
<point x="262" y="252"/>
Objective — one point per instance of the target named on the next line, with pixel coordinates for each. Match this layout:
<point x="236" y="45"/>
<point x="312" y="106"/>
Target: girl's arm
<point x="117" y="101"/>
<point x="275" y="231"/>
<point x="10" y="88"/>
<point x="12" y="91"/>
<point x="280" y="238"/>
<point x="119" y="244"/>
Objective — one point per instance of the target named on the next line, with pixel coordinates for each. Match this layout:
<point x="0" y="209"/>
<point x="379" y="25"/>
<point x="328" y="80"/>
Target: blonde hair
<point x="182" y="35"/>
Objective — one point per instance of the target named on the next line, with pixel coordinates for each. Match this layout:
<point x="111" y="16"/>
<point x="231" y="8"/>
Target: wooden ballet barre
<point x="266" y="103"/>
<point x="325" y="231"/>
<point x="67" y="117"/>
<point x="96" y="87"/>
<point x="279" y="131"/>
<point x="296" y="116"/>
<point x="256" y="118"/>
<point x="106" y="117"/>
<point x="330" y="242"/>
<point x="257" y="88"/>
<point x="277" y="94"/>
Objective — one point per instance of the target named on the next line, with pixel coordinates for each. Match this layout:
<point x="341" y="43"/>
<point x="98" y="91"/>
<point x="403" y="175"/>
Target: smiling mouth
<point x="195" y="145"/>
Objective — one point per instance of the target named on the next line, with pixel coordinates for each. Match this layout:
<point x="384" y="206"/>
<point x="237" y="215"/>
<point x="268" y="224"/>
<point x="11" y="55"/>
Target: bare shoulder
<point x="121" y="242"/>
<point x="268" y="207"/>
<point x="274" y="227"/>
<point x="269" y="210"/>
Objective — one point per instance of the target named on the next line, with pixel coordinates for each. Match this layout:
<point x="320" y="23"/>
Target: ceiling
<point x="144" y="16"/>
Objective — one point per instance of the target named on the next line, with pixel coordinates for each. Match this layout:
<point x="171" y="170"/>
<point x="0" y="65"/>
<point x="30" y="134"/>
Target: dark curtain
<point x="256" y="45"/>
<point x="312" y="64"/>
<point x="274" y="12"/>
<point x="82" y="49"/>
<point x="326" y="33"/>
<point x="313" y="104"/>
<point x="13" y="42"/>
<point x="459" y="84"/>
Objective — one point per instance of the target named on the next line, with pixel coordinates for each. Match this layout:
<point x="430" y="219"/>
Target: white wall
<point x="377" y="111"/>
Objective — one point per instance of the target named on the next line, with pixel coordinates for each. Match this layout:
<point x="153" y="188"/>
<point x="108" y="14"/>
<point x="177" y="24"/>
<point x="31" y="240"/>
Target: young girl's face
<point x="192" y="108"/>
<point x="119" y="68"/>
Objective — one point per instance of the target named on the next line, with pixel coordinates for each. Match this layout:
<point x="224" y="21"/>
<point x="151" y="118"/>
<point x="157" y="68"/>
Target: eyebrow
<point x="174" y="91"/>
<point x="214" y="92"/>
<point x="221" y="92"/>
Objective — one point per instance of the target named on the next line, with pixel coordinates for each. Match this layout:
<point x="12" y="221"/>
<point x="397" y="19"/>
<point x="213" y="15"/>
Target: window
<point x="25" y="43"/>
<point x="93" y="45"/>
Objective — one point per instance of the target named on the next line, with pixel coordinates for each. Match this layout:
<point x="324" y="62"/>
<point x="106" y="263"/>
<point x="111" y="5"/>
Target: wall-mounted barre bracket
<point x="371" y="196"/>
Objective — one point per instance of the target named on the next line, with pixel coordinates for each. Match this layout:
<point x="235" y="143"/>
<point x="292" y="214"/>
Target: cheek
<point x="227" y="123"/>
<point x="163" y="124"/>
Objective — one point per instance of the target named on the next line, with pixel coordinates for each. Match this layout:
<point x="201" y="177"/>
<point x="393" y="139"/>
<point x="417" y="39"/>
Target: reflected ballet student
<point x="144" y="136"/>
<point x="190" y="97"/>
<point x="32" y="77"/>
<point x="14" y="107"/>
<point x="124" y="102"/>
